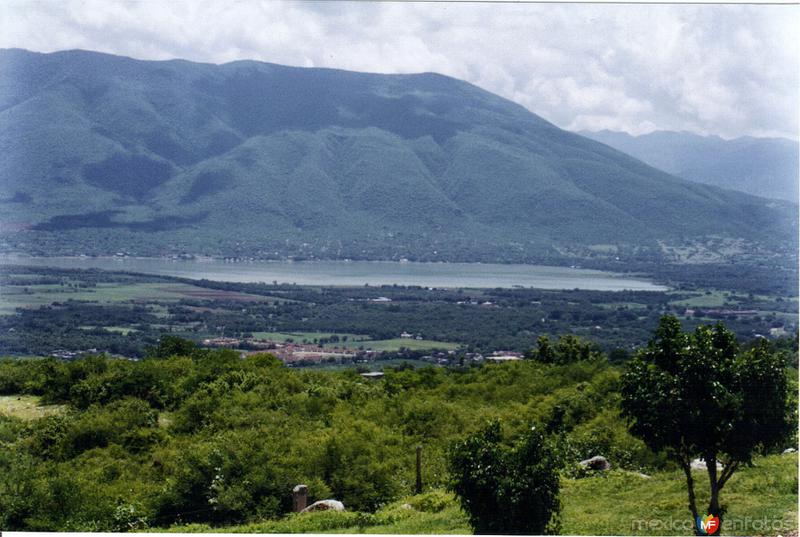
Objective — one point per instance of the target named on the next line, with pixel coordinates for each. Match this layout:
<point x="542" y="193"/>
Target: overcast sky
<point x="727" y="70"/>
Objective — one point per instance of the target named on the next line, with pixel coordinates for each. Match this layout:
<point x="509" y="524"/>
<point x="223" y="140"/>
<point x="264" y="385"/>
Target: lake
<point x="350" y="273"/>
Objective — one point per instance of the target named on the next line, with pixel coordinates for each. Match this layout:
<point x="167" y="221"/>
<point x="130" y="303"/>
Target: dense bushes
<point x="216" y="439"/>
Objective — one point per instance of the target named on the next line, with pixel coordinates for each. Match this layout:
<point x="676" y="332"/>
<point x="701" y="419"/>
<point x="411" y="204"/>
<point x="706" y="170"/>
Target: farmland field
<point x="33" y="295"/>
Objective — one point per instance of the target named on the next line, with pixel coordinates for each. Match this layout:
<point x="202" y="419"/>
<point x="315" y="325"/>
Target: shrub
<point x="506" y="490"/>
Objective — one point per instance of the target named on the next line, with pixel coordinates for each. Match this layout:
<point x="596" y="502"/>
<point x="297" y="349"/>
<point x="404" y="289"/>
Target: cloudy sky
<point x="730" y="70"/>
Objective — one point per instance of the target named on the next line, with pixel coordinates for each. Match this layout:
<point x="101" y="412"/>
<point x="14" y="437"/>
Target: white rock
<point x="700" y="464"/>
<point x="598" y="462"/>
<point x="324" y="505"/>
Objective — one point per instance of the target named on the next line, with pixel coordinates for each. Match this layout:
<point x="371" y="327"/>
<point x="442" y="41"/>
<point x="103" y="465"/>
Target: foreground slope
<point x="103" y="153"/>
<point x="762" y="500"/>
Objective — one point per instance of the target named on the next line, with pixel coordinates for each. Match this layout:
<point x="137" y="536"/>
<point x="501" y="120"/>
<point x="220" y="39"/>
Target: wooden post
<point x="418" y="489"/>
<point x="299" y="498"/>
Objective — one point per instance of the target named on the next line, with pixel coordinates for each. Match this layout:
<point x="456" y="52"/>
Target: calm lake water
<point x="345" y="273"/>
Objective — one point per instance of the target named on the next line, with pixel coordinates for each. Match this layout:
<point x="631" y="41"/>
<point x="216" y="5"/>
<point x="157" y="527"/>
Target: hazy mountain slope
<point x="760" y="166"/>
<point x="103" y="153"/>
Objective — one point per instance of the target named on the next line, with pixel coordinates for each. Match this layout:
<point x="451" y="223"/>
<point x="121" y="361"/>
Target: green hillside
<point x="103" y="154"/>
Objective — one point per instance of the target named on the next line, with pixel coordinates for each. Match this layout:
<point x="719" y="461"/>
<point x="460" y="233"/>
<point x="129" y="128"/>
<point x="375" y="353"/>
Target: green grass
<point x="716" y="299"/>
<point x="15" y="296"/>
<point x="26" y="407"/>
<point x="622" y="503"/>
<point x="761" y="500"/>
<point x="42" y="295"/>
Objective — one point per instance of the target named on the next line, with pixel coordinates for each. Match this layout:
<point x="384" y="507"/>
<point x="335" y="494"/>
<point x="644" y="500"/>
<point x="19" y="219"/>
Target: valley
<point x="71" y="312"/>
<point x="437" y="310"/>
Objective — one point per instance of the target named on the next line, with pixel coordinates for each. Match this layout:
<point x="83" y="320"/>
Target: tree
<point x="506" y="490"/>
<point x="567" y="350"/>
<point x="695" y="395"/>
<point x="172" y="346"/>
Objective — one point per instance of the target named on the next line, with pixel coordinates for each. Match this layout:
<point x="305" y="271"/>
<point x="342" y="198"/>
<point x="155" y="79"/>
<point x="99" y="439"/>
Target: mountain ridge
<point x="103" y="154"/>
<point x="762" y="166"/>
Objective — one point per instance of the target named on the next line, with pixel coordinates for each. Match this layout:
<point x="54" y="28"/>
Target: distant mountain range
<point x="101" y="153"/>
<point x="765" y="167"/>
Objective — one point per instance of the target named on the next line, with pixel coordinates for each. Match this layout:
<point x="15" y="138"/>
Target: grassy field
<point x="712" y="299"/>
<point x="761" y="500"/>
<point x="26" y="407"/>
<point x="14" y="296"/>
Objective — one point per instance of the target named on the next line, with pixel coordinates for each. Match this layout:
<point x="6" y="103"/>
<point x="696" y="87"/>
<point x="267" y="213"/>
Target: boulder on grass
<point x="324" y="505"/>
<point x="597" y="462"/>
<point x="700" y="464"/>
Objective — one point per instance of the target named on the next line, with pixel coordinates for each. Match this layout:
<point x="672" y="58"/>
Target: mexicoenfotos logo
<point x="708" y="525"/>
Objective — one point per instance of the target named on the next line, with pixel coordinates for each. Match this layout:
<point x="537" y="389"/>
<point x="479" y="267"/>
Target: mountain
<point x="765" y="167"/>
<point x="102" y="153"/>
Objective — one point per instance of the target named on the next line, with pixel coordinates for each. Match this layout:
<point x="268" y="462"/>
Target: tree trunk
<point x="713" y="504"/>
<point x="687" y="469"/>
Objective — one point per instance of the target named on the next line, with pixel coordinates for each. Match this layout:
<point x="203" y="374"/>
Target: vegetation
<point x="204" y="437"/>
<point x="26" y="407"/>
<point x="507" y="491"/>
<point x="287" y="161"/>
<point x="694" y="395"/>
<point x="49" y="310"/>
<point x="141" y="424"/>
<point x="762" y="500"/>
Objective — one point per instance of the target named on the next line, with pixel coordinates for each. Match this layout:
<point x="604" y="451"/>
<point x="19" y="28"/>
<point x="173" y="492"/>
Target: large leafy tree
<point x="506" y="490"/>
<point x="695" y="395"/>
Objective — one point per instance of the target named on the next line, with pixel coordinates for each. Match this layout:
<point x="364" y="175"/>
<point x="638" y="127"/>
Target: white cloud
<point x="729" y="70"/>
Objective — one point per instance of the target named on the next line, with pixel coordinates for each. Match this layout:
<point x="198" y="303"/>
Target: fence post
<point x="299" y="498"/>
<point x="418" y="489"/>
